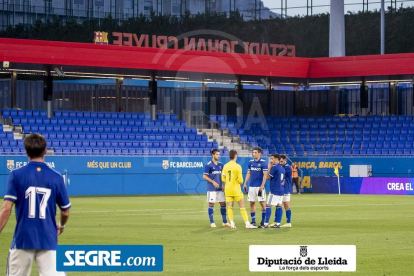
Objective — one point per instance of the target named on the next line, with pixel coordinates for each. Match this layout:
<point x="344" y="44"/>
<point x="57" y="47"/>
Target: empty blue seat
<point x="341" y="126"/>
<point x="370" y="151"/>
<point x="16" y="121"/>
<point x="6" y="113"/>
<point x="87" y="144"/>
<point x="128" y="144"/>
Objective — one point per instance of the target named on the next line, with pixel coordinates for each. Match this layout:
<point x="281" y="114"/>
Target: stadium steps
<point x="18" y="134"/>
<point x="8" y="128"/>
<point x="17" y="131"/>
<point x="216" y="135"/>
<point x="225" y="140"/>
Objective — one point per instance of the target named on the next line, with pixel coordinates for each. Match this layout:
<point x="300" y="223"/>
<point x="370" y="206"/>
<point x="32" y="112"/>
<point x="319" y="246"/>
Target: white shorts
<point x="286" y="198"/>
<point x="274" y="200"/>
<point x="214" y="197"/>
<point x="253" y="194"/>
<point x="20" y="262"/>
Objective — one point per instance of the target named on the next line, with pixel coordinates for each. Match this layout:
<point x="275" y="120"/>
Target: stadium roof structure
<point x="110" y="61"/>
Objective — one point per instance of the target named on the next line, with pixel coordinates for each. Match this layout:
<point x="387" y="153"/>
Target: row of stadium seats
<point x="87" y="129"/>
<point x="11" y="143"/>
<point x="189" y="144"/>
<point x="123" y="144"/>
<point x="407" y="145"/>
<point x="355" y="152"/>
<point x="136" y="151"/>
<point x="331" y="139"/>
<point x="378" y="145"/>
<point x="13" y="151"/>
<point x="318" y="126"/>
<point x="96" y="122"/>
<point x="205" y="152"/>
<point x="117" y="137"/>
<point x="302" y="119"/>
<point x="6" y="135"/>
<point x="112" y="143"/>
<point x="10" y="113"/>
<point x="116" y="151"/>
<point x="314" y="133"/>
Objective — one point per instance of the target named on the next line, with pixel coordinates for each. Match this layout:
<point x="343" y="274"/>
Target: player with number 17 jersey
<point x="36" y="189"/>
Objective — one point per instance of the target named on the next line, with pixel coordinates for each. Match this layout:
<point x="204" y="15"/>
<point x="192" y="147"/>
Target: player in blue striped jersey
<point x="288" y="190"/>
<point x="257" y="174"/>
<point x="35" y="189"/>
<point x="215" y="188"/>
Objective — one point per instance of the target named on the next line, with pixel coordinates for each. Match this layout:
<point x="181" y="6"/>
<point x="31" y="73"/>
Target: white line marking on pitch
<point x="349" y="205"/>
<point x="136" y="210"/>
<point x="178" y="210"/>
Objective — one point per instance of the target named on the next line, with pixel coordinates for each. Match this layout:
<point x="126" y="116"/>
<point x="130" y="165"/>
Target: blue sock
<point x="268" y="213"/>
<point x="223" y="213"/>
<point x="210" y="213"/>
<point x="279" y="214"/>
<point x="288" y="215"/>
<point x="263" y="216"/>
<point x="253" y="215"/>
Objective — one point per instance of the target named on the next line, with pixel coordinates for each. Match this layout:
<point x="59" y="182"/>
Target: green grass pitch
<point x="381" y="227"/>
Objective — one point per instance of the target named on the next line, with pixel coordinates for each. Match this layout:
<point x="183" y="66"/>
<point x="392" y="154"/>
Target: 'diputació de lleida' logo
<point x="10" y="165"/>
<point x="165" y="164"/>
<point x="303" y="251"/>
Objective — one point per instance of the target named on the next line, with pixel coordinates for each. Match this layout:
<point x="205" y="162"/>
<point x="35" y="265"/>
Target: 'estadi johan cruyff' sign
<point x="198" y="44"/>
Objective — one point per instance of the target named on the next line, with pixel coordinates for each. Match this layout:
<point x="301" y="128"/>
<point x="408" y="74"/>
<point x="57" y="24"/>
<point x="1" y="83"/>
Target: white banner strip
<point x="302" y="258"/>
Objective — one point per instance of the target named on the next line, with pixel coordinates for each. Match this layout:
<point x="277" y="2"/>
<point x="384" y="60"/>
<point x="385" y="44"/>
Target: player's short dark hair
<point x="276" y="156"/>
<point x="282" y="156"/>
<point x="214" y="151"/>
<point x="232" y="154"/>
<point x="35" y="145"/>
<point x="259" y="149"/>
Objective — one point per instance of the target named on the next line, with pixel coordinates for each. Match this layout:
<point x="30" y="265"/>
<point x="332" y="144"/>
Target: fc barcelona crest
<point x="165" y="164"/>
<point x="10" y="165"/>
<point x="101" y="38"/>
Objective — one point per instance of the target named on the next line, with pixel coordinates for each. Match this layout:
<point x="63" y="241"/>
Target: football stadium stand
<point x="104" y="133"/>
<point x="321" y="135"/>
<point x="110" y="133"/>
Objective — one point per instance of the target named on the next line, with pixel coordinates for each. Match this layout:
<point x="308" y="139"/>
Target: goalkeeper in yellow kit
<point x="233" y="178"/>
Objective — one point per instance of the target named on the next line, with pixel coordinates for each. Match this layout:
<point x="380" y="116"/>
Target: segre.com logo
<point x="109" y="258"/>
